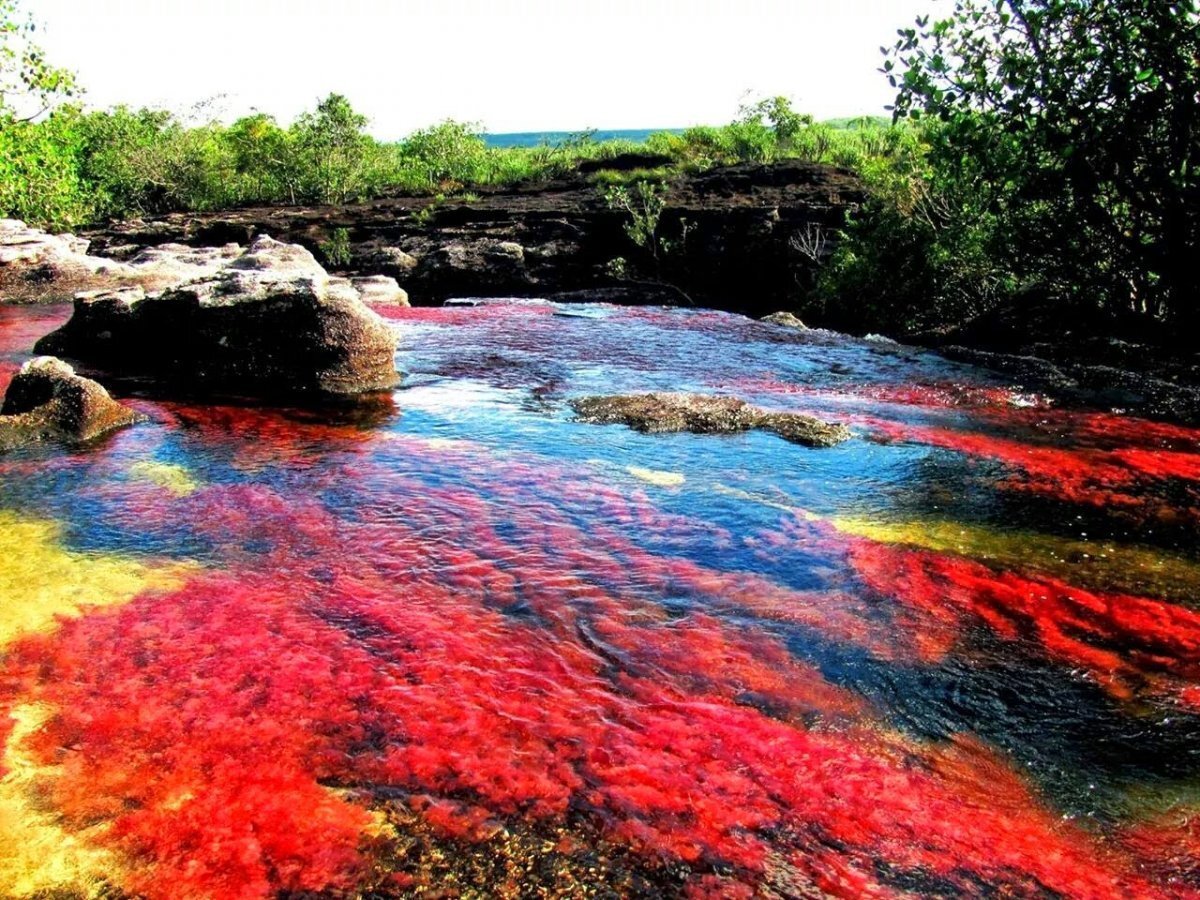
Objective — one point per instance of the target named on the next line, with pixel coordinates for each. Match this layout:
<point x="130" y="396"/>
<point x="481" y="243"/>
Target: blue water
<point x="550" y="138"/>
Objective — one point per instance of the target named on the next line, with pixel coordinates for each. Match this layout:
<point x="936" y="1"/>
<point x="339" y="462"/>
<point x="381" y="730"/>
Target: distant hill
<point x="536" y="138"/>
<point x="550" y="138"/>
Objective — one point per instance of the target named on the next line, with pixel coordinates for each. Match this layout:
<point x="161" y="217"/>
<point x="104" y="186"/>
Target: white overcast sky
<point x="513" y="65"/>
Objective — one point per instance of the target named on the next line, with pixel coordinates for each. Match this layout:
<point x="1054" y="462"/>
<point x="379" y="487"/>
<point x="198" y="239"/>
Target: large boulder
<point x="48" y="401"/>
<point x="391" y="261"/>
<point x="701" y="414"/>
<point x="35" y="265"/>
<point x="270" y="322"/>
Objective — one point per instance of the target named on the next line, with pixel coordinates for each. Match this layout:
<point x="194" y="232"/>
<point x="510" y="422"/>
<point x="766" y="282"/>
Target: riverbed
<point x="452" y="640"/>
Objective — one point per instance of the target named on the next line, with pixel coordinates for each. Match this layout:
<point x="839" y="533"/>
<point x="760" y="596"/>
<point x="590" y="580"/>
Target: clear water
<point x="455" y="643"/>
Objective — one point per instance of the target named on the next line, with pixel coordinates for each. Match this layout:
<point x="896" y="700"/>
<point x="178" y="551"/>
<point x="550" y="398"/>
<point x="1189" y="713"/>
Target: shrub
<point x="449" y="151"/>
<point x="336" y="249"/>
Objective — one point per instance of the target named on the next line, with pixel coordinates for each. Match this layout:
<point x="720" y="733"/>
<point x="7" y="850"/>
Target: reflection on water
<point x="460" y="642"/>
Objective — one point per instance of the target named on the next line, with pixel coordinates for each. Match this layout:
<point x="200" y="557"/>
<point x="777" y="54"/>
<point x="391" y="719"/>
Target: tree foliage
<point x="334" y="149"/>
<point x="1079" y="121"/>
<point x="29" y="84"/>
<point x="447" y="153"/>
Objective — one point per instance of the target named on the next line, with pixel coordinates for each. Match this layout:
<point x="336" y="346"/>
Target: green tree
<point x="38" y="174"/>
<point x="265" y="158"/>
<point x="1080" y="121"/>
<point x="39" y="171"/>
<point x="29" y="85"/>
<point x="335" y="151"/>
<point x="777" y="115"/>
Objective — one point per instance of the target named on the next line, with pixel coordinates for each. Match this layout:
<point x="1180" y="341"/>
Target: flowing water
<point x="455" y="643"/>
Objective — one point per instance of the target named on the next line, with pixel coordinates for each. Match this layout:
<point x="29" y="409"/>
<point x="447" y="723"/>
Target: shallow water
<point x="456" y="641"/>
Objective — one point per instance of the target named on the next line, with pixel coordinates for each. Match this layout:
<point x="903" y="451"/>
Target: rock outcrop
<point x="380" y="290"/>
<point x="48" y="401"/>
<point x="560" y="239"/>
<point x="36" y="266"/>
<point x="270" y="322"/>
<point x="701" y="414"/>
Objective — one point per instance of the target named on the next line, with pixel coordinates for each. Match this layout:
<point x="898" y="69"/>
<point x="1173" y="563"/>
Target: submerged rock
<point x="269" y="322"/>
<point x="701" y="414"/>
<point x="35" y="265"/>
<point x="48" y="401"/>
<point x="785" y="319"/>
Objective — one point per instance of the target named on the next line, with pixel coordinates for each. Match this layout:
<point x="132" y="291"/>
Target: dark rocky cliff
<point x="754" y="236"/>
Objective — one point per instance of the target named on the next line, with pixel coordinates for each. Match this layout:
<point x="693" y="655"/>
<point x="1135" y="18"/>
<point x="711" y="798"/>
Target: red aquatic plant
<point x="20" y="329"/>
<point x="1095" y="477"/>
<point x="494" y="638"/>
<point x="234" y="732"/>
<point x="942" y="596"/>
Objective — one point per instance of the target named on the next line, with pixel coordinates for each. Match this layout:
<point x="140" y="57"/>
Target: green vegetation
<point x="62" y="166"/>
<point x="72" y="167"/>
<point x="643" y="202"/>
<point x="336" y="250"/>
<point x="1060" y="143"/>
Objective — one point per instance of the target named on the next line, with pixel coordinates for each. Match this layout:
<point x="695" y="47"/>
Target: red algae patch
<point x="1090" y="477"/>
<point x="235" y="734"/>
<point x="941" y="597"/>
<point x="235" y="705"/>
<point x="1086" y="457"/>
<point x="435" y="654"/>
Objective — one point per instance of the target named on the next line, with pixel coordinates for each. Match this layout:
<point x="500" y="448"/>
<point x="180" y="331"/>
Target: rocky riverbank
<point x="740" y="238"/>
<point x="746" y="239"/>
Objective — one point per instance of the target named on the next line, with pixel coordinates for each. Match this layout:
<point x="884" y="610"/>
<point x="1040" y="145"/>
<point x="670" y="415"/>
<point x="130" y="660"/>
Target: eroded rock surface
<point x="702" y="414"/>
<point x="269" y="322"/>
<point x="560" y="239"/>
<point x="380" y="290"/>
<point x="48" y="401"/>
<point x="37" y="266"/>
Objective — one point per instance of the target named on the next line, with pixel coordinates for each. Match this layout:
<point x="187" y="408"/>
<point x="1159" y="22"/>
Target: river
<point x="453" y="640"/>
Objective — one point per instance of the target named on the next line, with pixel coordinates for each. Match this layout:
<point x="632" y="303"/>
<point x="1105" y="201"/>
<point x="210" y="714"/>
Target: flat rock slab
<point x="47" y="401"/>
<point x="703" y="414"/>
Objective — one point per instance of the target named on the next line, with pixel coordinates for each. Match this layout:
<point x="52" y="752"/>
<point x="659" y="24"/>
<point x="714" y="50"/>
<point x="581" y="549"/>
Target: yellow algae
<point x="1098" y="565"/>
<point x="174" y="478"/>
<point x="1155" y="801"/>
<point x="37" y="854"/>
<point x="656" y="476"/>
<point x="40" y="581"/>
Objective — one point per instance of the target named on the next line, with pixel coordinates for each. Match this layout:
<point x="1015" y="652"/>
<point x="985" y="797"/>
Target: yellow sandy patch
<point x="655" y="476"/>
<point x="40" y="581"/>
<point x="176" y="479"/>
<point x="1098" y="565"/>
<point x="38" y="855"/>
